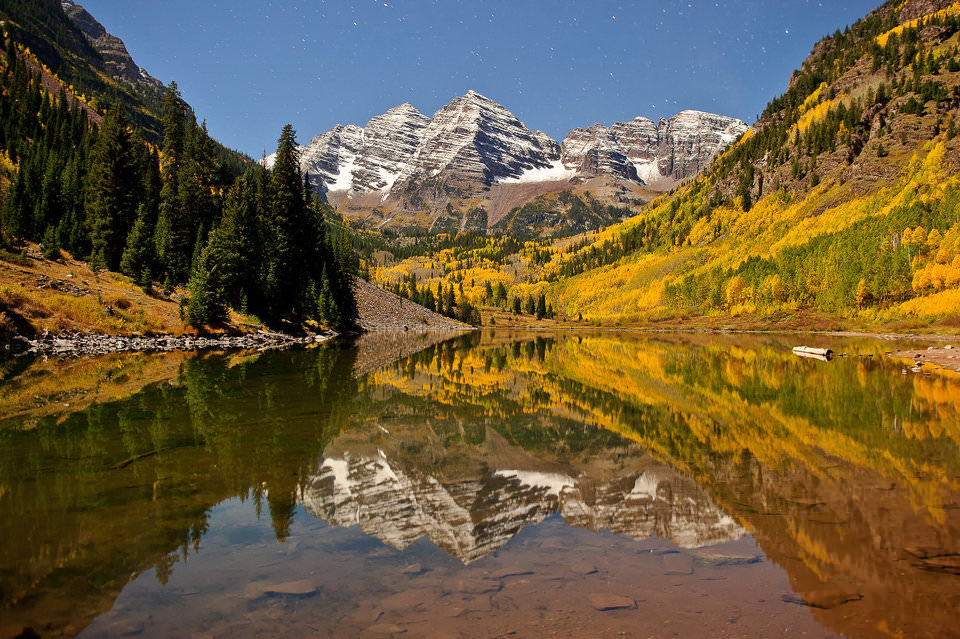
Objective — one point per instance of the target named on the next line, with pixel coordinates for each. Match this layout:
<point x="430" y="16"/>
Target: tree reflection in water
<point x="846" y="473"/>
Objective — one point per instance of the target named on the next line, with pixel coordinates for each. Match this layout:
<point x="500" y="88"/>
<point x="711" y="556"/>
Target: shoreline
<point x="76" y="343"/>
<point x="67" y="344"/>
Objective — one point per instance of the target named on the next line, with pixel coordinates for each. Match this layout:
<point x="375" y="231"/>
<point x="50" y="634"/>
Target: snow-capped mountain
<point x="364" y="159"/>
<point x="474" y="143"/>
<point x="474" y="140"/>
<point x="654" y="153"/>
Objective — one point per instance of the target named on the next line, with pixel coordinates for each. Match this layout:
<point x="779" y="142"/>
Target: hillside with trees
<point x="841" y="200"/>
<point x="162" y="202"/>
<point x="838" y="208"/>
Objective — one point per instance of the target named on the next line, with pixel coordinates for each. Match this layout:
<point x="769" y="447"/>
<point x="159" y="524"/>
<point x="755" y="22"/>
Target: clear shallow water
<point x="606" y="484"/>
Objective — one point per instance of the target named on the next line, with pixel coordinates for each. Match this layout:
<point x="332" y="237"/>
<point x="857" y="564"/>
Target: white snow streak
<point x="555" y="172"/>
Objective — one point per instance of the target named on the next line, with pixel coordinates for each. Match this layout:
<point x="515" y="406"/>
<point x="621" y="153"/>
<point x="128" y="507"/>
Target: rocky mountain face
<point x="119" y="62"/>
<point x="913" y="9"/>
<point x="474" y="143"/>
<point x="471" y="517"/>
<point x="364" y="159"/>
<point x="655" y="154"/>
<point x="474" y="140"/>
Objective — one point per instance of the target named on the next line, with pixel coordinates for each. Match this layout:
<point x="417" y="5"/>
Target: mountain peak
<point x="117" y="59"/>
<point x="473" y="142"/>
<point x="406" y="107"/>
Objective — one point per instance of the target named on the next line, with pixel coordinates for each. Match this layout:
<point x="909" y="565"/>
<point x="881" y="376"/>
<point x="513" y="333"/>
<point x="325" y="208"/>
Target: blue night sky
<point x="249" y="67"/>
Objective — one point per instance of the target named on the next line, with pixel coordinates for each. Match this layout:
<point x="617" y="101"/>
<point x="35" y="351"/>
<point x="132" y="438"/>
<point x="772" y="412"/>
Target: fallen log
<point x="822" y="354"/>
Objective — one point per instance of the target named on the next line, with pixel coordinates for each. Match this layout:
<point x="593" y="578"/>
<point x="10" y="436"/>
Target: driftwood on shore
<point x="822" y="354"/>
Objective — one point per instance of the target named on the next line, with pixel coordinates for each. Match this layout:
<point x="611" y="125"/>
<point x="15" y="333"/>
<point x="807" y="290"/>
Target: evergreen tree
<point x="173" y="232"/>
<point x="226" y="273"/>
<point x="111" y="189"/>
<point x="290" y="243"/>
<point x="329" y="313"/>
<point x="15" y="220"/>
<point x="500" y="295"/>
<point x="138" y="256"/>
<point x="449" y="301"/>
<point x="208" y="300"/>
<point x="51" y="246"/>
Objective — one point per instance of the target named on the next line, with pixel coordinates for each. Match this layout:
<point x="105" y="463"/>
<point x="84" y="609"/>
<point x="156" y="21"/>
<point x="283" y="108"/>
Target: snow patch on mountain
<point x="556" y="171"/>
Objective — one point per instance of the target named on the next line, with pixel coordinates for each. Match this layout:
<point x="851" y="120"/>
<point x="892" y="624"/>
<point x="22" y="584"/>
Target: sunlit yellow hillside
<point x="842" y="202"/>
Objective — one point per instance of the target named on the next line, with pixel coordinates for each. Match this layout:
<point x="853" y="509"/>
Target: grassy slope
<point x="66" y="295"/>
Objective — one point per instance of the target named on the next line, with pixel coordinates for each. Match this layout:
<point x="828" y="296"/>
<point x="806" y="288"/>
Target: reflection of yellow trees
<point x="69" y="385"/>
<point x="813" y="553"/>
<point x="936" y="398"/>
<point x="680" y="400"/>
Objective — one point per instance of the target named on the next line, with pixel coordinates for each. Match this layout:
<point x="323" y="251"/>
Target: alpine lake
<point x="493" y="483"/>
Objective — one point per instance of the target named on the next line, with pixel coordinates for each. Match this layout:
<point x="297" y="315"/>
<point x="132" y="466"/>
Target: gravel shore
<point x="80" y="344"/>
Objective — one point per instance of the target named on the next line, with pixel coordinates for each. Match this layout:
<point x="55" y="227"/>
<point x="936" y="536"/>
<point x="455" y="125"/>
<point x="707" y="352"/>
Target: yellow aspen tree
<point x="919" y="236"/>
<point x="735" y="289"/>
<point x="938" y="276"/>
<point x="952" y="277"/>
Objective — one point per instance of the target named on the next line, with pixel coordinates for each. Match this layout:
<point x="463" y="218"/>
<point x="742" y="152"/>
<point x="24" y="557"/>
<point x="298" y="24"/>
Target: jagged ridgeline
<point x="100" y="159"/>
<point x="842" y="199"/>
<point x="474" y="164"/>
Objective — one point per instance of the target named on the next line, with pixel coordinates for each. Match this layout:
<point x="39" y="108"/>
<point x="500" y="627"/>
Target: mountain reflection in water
<point x="846" y="474"/>
<point x="480" y="509"/>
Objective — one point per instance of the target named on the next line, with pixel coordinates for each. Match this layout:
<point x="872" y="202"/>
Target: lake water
<point x="490" y="484"/>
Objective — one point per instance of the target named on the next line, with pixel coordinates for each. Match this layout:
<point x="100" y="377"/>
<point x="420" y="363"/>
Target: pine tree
<point x="173" y="233"/>
<point x="111" y="189"/>
<point x="207" y="292"/>
<point x="541" y="309"/>
<point x="284" y="281"/>
<point x="14" y="211"/>
<point x="449" y="301"/>
<point x="138" y="256"/>
<point x="226" y="273"/>
<point x="500" y="295"/>
<point x="51" y="246"/>
<point x="329" y="313"/>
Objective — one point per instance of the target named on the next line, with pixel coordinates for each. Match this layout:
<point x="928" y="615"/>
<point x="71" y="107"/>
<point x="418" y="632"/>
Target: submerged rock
<point x="606" y="601"/>
<point x="301" y="588"/>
